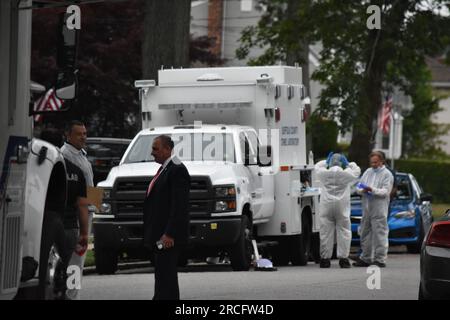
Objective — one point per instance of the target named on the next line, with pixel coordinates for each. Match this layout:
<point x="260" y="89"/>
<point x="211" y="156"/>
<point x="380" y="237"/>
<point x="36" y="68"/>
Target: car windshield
<point x="404" y="191"/>
<point x="188" y="147"/>
<point x="105" y="150"/>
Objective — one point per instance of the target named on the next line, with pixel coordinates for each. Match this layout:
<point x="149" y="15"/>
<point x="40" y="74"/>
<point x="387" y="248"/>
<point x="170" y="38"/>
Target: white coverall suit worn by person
<point x="375" y="187"/>
<point x="336" y="176"/>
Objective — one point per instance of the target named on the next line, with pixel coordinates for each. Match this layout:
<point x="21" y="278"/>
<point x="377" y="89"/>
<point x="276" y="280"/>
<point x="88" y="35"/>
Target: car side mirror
<point x="265" y="156"/>
<point x="426" y="197"/>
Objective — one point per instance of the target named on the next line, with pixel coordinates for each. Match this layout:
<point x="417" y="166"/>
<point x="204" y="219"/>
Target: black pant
<point x="166" y="277"/>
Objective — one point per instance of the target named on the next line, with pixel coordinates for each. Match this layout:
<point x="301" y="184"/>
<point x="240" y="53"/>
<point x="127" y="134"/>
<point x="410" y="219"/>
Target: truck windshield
<point x="188" y="147"/>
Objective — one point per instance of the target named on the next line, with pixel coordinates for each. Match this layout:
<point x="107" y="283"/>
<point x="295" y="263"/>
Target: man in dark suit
<point x="166" y="217"/>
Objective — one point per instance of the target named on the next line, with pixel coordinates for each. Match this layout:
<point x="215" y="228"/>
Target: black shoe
<point x="354" y="257"/>
<point x="344" y="263"/>
<point x="360" y="263"/>
<point x="379" y="264"/>
<point x="325" y="263"/>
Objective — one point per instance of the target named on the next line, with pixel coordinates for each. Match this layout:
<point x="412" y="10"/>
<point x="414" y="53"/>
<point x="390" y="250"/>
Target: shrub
<point x="433" y="176"/>
<point x="324" y="136"/>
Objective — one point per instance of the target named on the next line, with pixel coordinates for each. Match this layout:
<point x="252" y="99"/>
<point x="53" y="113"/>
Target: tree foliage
<point x="359" y="66"/>
<point x="108" y="63"/>
<point x="110" y="60"/>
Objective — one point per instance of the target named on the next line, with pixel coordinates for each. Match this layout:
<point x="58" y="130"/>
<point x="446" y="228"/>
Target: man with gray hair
<point x="375" y="187"/>
<point x="166" y="217"/>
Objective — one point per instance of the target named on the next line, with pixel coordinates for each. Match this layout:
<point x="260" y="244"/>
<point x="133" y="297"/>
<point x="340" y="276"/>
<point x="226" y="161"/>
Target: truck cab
<point x="240" y="132"/>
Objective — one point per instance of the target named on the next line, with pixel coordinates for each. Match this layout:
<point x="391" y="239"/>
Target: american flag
<point x="384" y="118"/>
<point x="48" y="102"/>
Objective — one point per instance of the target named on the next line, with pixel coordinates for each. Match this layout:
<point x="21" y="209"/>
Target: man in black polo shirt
<point x="75" y="214"/>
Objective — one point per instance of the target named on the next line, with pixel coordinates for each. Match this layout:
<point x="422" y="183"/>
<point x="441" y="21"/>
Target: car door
<point x="424" y="206"/>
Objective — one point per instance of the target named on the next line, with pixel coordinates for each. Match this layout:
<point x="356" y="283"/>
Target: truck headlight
<point x="224" y="191"/>
<point x="105" y="208"/>
<point x="223" y="206"/>
<point x="410" y="214"/>
<point x="106" y="193"/>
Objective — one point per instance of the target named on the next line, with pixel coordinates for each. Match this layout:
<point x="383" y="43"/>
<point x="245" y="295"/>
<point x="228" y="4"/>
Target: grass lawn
<point x="90" y="260"/>
<point x="439" y="209"/>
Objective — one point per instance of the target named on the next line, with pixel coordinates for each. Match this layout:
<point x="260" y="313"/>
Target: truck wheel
<point x="314" y="255"/>
<point x="241" y="252"/>
<point x="421" y="295"/>
<point x="300" y="245"/>
<point x="52" y="243"/>
<point x="415" y="247"/>
<point x="182" y="260"/>
<point x="280" y="253"/>
<point x="105" y="261"/>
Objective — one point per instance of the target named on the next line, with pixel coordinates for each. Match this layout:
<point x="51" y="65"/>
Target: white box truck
<point x="241" y="134"/>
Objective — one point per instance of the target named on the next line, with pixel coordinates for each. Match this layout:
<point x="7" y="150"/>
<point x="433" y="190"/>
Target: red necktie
<point x="150" y="186"/>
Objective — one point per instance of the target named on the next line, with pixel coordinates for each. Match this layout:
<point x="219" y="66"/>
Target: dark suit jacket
<point x="166" y="208"/>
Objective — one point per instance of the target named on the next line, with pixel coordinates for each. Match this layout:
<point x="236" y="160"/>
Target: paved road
<point x="399" y="280"/>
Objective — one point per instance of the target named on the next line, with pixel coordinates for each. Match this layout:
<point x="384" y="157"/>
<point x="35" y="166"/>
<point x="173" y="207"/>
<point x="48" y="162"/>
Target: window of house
<point x="246" y="5"/>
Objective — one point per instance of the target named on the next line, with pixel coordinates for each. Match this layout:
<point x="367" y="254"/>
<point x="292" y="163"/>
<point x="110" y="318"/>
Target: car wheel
<point x="415" y="247"/>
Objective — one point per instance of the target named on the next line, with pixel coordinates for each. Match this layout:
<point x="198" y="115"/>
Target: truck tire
<point x="242" y="250"/>
<point x="300" y="244"/>
<point x="314" y="255"/>
<point x="280" y="253"/>
<point x="52" y="243"/>
<point x="105" y="260"/>
<point x="182" y="260"/>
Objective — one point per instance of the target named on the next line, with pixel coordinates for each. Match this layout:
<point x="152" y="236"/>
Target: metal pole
<point x="393" y="141"/>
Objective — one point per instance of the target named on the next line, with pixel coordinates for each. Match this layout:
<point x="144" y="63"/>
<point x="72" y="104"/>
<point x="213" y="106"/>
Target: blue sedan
<point x="409" y="218"/>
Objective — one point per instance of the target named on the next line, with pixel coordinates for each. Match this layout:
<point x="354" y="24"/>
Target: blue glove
<point x="361" y="185"/>
<point x="329" y="158"/>
<point x="344" y="161"/>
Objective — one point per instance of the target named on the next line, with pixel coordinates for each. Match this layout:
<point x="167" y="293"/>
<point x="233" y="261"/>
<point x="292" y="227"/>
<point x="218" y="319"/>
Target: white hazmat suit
<point x="374" y="226"/>
<point x="335" y="207"/>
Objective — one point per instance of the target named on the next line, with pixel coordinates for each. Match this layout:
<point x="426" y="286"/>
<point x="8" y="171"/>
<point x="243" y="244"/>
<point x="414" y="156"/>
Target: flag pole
<point x="393" y="138"/>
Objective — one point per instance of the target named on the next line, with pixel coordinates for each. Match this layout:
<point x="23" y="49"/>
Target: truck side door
<point x="261" y="178"/>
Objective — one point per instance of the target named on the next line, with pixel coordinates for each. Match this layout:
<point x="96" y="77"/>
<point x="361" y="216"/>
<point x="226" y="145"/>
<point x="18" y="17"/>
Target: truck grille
<point x="11" y="251"/>
<point x="129" y="194"/>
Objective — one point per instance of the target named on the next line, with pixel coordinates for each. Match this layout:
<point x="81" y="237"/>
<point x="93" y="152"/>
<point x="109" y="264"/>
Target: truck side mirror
<point x="66" y="81"/>
<point x="265" y="156"/>
<point x="426" y="197"/>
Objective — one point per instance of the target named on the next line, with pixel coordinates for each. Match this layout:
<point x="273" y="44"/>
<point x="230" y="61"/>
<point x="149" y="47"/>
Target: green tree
<point x="358" y="66"/>
<point x="166" y="35"/>
<point x="110" y="60"/>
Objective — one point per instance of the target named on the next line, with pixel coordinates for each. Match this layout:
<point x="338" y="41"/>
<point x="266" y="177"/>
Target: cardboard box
<point x="95" y="196"/>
